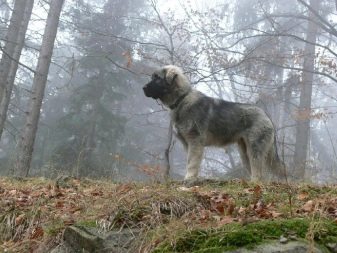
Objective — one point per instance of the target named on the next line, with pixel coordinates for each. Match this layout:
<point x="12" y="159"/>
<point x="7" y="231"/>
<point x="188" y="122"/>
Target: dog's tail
<point x="277" y="166"/>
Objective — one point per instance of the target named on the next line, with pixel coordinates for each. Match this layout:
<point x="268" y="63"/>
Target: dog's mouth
<point x="149" y="93"/>
<point x="154" y="91"/>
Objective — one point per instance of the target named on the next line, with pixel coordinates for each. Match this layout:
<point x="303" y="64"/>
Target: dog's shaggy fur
<point x="204" y="121"/>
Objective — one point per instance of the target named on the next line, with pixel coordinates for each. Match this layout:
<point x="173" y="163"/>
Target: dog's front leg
<point x="194" y="158"/>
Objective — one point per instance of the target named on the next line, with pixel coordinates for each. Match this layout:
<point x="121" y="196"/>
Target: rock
<point x="64" y="181"/>
<point x="61" y="249"/>
<point x="332" y="247"/>
<point x="80" y="239"/>
<point x="283" y="239"/>
<point x="277" y="247"/>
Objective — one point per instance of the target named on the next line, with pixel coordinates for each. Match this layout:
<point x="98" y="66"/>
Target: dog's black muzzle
<point x="147" y="90"/>
<point x="155" y="90"/>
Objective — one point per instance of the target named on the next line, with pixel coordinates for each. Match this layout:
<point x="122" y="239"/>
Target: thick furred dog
<point x="204" y="121"/>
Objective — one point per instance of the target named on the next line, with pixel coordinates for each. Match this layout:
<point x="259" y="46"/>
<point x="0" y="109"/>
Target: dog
<point x="202" y="121"/>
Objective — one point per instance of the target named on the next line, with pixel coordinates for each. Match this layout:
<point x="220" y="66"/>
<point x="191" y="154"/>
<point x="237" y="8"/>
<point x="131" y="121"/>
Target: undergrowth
<point x="233" y="236"/>
<point x="213" y="217"/>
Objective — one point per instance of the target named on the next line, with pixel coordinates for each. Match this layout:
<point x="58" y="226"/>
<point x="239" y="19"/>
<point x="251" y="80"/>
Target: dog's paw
<point x="194" y="181"/>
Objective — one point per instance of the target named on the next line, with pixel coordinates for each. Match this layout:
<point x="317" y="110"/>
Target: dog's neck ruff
<point x="178" y="101"/>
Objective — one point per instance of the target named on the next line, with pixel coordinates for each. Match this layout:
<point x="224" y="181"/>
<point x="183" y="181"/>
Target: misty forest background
<point x="74" y="104"/>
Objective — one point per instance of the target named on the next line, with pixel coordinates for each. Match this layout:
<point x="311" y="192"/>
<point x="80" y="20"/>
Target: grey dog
<point x="202" y="121"/>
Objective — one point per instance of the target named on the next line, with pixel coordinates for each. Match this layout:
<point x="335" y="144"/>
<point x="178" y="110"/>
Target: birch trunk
<point x="11" y="40"/>
<point x="27" y="138"/>
<point x="14" y="64"/>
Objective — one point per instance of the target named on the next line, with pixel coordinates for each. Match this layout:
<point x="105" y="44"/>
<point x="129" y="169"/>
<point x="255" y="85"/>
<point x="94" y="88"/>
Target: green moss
<point x="54" y="227"/>
<point x="236" y="235"/>
<point x="87" y="223"/>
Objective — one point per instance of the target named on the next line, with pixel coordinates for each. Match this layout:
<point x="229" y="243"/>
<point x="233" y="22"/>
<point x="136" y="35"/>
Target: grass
<point x="213" y="217"/>
<point x="233" y="236"/>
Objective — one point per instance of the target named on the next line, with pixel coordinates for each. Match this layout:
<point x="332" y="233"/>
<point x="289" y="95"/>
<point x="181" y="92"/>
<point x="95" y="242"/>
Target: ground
<point x="212" y="217"/>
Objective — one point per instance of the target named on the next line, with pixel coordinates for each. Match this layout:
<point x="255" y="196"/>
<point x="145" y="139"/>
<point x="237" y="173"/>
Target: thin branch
<point x="21" y="64"/>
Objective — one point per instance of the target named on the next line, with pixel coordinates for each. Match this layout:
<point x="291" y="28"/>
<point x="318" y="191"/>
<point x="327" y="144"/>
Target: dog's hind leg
<point x="194" y="158"/>
<point x="244" y="156"/>
<point x="259" y="143"/>
<point x="278" y="168"/>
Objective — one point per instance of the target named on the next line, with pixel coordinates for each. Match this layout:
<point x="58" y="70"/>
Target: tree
<point x="304" y="109"/>
<point x="10" y="43"/>
<point x="93" y="128"/>
<point x="27" y="138"/>
<point x="14" y="62"/>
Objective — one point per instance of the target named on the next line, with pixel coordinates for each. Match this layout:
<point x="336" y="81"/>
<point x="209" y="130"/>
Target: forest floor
<point x="173" y="218"/>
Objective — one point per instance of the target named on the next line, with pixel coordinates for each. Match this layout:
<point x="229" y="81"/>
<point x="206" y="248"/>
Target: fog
<point x="96" y="122"/>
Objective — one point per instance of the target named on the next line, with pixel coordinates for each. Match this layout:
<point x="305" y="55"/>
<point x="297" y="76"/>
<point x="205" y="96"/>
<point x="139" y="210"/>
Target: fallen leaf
<point x="221" y="203"/>
<point x="123" y="188"/>
<point x="37" y="233"/>
<point x="308" y="206"/>
<point x="97" y="193"/>
<point x="303" y="195"/>
<point x="20" y="219"/>
<point x="275" y="214"/>
<point x="226" y="220"/>
<point x="59" y="204"/>
<point x="204" y="215"/>
<point x="242" y="210"/>
<point x="257" y="192"/>
<point x="12" y="192"/>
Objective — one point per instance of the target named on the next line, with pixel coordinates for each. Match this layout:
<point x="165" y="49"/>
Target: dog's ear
<point x="170" y="76"/>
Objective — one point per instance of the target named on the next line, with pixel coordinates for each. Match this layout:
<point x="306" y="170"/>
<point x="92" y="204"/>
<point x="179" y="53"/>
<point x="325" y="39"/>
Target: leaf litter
<point x="33" y="211"/>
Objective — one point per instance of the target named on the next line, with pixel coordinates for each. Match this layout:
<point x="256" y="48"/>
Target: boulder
<point x="80" y="239"/>
<point x="279" y="247"/>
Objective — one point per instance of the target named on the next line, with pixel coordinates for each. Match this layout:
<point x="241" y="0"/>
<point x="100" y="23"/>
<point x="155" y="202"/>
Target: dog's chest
<point x="180" y="121"/>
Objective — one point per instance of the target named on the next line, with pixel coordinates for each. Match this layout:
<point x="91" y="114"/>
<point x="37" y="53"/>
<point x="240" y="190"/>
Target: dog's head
<point x="163" y="82"/>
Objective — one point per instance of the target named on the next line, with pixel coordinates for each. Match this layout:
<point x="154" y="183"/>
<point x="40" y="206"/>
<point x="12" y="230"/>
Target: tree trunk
<point x="27" y="138"/>
<point x="10" y="75"/>
<point x="11" y="40"/>
<point x="5" y="11"/>
<point x="303" y="119"/>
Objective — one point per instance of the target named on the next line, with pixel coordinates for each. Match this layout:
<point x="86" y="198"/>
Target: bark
<point x="320" y="148"/>
<point x="303" y="119"/>
<point x="27" y="138"/>
<point x="10" y="75"/>
<point x="11" y="40"/>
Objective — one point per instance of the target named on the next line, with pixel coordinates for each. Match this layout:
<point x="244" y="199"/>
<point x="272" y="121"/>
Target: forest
<point x="72" y="72"/>
<point x="89" y="162"/>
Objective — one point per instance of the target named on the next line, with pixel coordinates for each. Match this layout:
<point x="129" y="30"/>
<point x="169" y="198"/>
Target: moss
<point x="233" y="236"/>
<point x="54" y="227"/>
<point x="87" y="223"/>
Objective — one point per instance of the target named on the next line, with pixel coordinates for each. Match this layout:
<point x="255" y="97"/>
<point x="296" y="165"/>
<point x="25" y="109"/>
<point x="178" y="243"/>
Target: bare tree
<point x="11" y="73"/>
<point x="303" y="119"/>
<point x="169" y="32"/>
<point x="27" y="138"/>
<point x="11" y="41"/>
